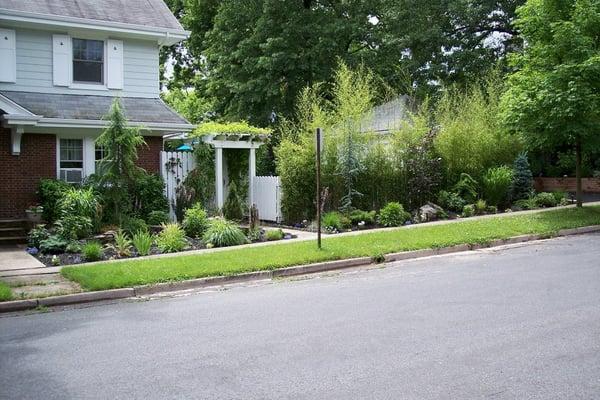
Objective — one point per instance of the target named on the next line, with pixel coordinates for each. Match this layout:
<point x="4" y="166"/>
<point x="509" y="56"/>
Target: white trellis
<point x="176" y="165"/>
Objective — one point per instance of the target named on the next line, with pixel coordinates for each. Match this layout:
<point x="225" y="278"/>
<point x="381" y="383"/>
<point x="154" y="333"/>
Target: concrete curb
<point x="137" y="291"/>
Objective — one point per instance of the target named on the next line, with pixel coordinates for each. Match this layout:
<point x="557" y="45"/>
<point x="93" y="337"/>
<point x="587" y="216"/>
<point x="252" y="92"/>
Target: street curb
<point x="144" y="290"/>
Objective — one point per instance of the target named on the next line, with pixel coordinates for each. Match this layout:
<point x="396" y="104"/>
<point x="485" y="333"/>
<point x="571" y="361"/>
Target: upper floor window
<point x="88" y="61"/>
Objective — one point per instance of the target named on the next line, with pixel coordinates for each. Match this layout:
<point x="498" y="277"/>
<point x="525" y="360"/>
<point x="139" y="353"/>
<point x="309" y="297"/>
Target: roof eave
<point x="164" y="36"/>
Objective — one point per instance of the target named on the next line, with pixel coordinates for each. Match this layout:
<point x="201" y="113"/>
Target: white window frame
<point x="89" y="159"/>
<point x="59" y="158"/>
<point x="89" y="85"/>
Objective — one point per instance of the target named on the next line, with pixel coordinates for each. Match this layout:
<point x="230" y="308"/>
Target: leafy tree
<point x="554" y="96"/>
<point x="120" y="143"/>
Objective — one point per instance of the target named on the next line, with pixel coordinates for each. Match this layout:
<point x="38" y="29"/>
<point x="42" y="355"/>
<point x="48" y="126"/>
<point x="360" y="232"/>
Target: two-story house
<point x="62" y="62"/>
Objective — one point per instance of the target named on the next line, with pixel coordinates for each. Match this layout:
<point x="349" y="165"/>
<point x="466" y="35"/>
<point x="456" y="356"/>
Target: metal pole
<point x="319" y="187"/>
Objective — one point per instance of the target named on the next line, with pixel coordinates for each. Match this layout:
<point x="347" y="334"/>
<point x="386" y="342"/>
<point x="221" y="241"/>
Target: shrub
<point x="50" y="192"/>
<point x="333" y="221"/>
<point x="545" y="199"/>
<point x="122" y="244"/>
<point x="132" y="225"/>
<point x="222" y="233"/>
<point x="171" y="239"/>
<point x="54" y="244"/>
<point x="466" y="187"/>
<point x="147" y="195"/>
<point x="195" y="221"/>
<point x="496" y="185"/>
<point x="157" y="218"/>
<point x="82" y="202"/>
<point x="142" y="241"/>
<point x="233" y="209"/>
<point x="274" y="234"/>
<point x="357" y="216"/>
<point x="72" y="227"/>
<point x="526" y="204"/>
<point x="73" y="247"/>
<point x="560" y="197"/>
<point x="36" y="235"/>
<point x="92" y="251"/>
<point x="393" y="214"/>
<point x="451" y="201"/>
<point x="522" y="184"/>
<point x="468" y="210"/>
<point x="480" y="207"/>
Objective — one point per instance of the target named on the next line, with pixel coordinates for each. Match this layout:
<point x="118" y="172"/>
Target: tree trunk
<point x="578" y="171"/>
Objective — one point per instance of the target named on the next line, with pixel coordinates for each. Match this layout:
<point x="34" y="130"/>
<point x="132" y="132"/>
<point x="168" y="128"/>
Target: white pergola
<point x="222" y="141"/>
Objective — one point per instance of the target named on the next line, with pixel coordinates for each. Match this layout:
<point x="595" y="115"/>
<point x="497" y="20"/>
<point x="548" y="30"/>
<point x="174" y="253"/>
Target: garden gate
<point x="176" y="165"/>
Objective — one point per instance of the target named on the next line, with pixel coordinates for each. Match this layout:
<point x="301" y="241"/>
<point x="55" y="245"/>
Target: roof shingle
<point x="151" y="13"/>
<point x="85" y="107"/>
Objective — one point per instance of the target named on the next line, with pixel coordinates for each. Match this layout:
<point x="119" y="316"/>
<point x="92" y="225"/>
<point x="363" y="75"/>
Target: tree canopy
<point x="554" y="96"/>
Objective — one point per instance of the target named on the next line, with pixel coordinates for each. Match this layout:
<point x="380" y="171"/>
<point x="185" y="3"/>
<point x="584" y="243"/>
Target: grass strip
<point x="5" y="292"/>
<point x="139" y="272"/>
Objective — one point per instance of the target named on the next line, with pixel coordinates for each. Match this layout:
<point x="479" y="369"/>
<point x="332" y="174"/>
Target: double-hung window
<point x="88" y="61"/>
<point x="71" y="160"/>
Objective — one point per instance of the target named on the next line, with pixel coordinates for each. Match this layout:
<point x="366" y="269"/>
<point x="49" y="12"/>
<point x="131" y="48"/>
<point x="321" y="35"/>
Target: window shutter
<point x="62" y="57"/>
<point x="115" y="64"/>
<point x="8" y="55"/>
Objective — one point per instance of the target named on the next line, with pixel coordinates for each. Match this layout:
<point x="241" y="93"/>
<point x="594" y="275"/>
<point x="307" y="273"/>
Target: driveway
<point x="518" y="323"/>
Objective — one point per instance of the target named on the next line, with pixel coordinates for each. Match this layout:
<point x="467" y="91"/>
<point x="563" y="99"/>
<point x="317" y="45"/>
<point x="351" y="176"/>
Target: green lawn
<point x="5" y="292"/>
<point x="111" y="275"/>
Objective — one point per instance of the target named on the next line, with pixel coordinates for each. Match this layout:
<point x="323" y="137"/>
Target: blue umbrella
<point x="185" y="147"/>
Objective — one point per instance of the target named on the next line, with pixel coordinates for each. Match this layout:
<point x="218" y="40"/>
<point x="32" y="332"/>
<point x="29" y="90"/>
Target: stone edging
<point x="137" y="291"/>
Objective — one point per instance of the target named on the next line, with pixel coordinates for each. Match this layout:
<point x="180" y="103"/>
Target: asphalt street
<point x="515" y="323"/>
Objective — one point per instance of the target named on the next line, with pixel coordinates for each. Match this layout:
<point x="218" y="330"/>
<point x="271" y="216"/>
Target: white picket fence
<point x="267" y="197"/>
<point x="176" y="165"/>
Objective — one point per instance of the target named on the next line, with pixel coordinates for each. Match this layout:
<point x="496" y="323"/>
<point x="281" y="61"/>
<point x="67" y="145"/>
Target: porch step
<point x="13" y="231"/>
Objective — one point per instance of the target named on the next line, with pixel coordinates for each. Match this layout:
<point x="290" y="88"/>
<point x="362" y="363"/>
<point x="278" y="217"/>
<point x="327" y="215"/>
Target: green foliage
<point x="72" y="227"/>
<point x="393" y="214"/>
<point x="545" y="199"/>
<point x="147" y="194"/>
<point x="157" y="218"/>
<point x="422" y="171"/>
<point x="54" y="244"/>
<point x="199" y="185"/>
<point x="357" y="216"/>
<point x="142" y="241"/>
<point x="229" y="128"/>
<point x="171" y="239"/>
<point x="120" y="143"/>
<point x="233" y="208"/>
<point x="480" y="207"/>
<point x="36" y="235"/>
<point x="92" y="251"/>
<point x="468" y="210"/>
<point x="471" y="138"/>
<point x="553" y="95"/>
<point x="522" y="184"/>
<point x="122" y="244"/>
<point x="466" y="188"/>
<point x="50" y="192"/>
<point x="79" y="204"/>
<point x="526" y="204"/>
<point x="5" y="292"/>
<point x="195" y="221"/>
<point x="73" y="247"/>
<point x="189" y="104"/>
<point x="496" y="185"/>
<point x="132" y="225"/>
<point x="334" y="221"/>
<point x="560" y="197"/>
<point x="451" y="201"/>
<point x="223" y="233"/>
<point x="274" y="234"/>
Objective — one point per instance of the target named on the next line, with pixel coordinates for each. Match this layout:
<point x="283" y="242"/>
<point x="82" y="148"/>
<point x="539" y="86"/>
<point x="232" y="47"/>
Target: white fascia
<point x="92" y="123"/>
<point x="164" y="36"/>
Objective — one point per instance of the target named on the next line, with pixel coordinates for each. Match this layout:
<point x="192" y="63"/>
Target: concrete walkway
<point x="14" y="260"/>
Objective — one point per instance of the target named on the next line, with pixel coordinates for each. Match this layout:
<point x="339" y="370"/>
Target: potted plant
<point x="34" y="214"/>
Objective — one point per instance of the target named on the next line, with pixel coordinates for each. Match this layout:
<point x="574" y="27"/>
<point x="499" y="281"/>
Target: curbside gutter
<point x="145" y="290"/>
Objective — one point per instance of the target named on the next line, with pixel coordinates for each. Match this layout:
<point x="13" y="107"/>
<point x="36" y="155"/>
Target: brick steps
<point x="13" y="231"/>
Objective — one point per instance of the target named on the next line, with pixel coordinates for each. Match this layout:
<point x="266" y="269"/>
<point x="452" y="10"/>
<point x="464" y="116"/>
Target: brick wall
<point x="149" y="156"/>
<point x="20" y="175"/>
<point x="589" y="185"/>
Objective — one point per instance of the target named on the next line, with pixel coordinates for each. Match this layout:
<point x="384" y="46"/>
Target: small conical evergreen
<point x="523" y="179"/>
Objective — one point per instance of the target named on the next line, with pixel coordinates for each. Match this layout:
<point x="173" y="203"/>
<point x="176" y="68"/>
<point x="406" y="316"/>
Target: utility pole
<point x="319" y="133"/>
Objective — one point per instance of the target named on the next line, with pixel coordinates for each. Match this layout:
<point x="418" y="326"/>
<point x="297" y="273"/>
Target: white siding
<point x="35" y="67"/>
<point x="8" y="66"/>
